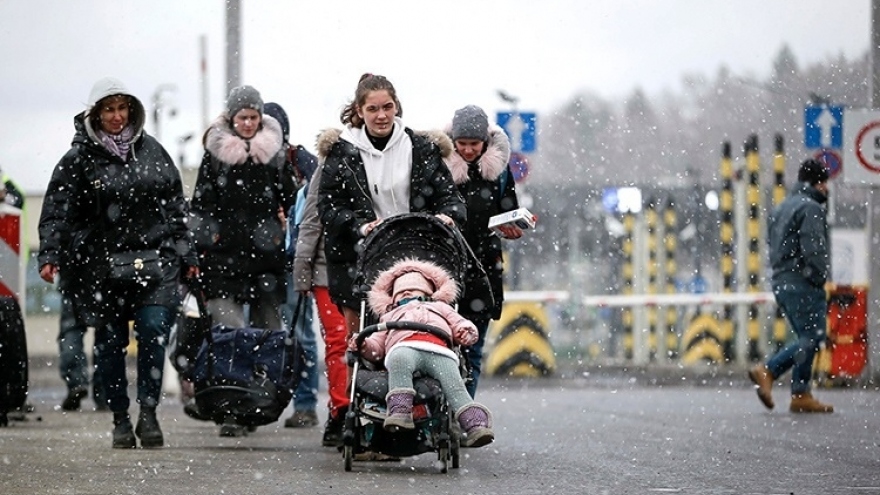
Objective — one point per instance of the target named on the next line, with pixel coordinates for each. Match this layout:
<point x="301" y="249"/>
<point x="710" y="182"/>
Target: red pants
<point x="335" y="334"/>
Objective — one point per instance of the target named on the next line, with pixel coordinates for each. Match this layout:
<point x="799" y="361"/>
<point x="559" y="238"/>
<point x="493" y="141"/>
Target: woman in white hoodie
<point x="375" y="168"/>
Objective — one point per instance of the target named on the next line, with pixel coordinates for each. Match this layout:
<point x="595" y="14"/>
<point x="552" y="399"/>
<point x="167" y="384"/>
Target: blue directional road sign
<point x="522" y="129"/>
<point x="823" y="127"/>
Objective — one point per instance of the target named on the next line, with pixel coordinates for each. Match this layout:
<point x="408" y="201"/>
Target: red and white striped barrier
<point x="12" y="265"/>
<point x="618" y="301"/>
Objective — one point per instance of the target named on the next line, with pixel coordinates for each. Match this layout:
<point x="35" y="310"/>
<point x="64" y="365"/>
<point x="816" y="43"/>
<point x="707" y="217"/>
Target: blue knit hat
<point x="277" y="112"/>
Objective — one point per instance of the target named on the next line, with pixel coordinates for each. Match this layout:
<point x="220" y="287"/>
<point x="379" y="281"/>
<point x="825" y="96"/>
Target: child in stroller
<point x="421" y="293"/>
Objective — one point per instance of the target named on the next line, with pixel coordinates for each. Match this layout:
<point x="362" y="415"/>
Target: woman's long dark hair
<point x="367" y="83"/>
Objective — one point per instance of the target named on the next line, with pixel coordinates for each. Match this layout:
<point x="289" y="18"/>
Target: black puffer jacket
<point x="345" y="201"/>
<point x="97" y="204"/>
<point x="241" y="188"/>
<point x="480" y="183"/>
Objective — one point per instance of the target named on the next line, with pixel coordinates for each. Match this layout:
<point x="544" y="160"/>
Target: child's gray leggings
<point x="403" y="361"/>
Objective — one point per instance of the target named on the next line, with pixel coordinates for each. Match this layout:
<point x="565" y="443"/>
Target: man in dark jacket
<point x="800" y="259"/>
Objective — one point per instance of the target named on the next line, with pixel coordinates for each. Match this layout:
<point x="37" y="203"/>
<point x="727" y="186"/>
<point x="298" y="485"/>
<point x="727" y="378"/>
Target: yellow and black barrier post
<point x="653" y="234"/>
<point x="520" y="342"/>
<point x="753" y="233"/>
<point x="780" y="328"/>
<point x="628" y="281"/>
<point x="670" y="223"/>
<point x="706" y="338"/>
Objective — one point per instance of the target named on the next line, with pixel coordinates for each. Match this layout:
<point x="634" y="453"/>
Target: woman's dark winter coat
<point x="241" y="188"/>
<point x="480" y="185"/>
<point x="96" y="204"/>
<point x="345" y="200"/>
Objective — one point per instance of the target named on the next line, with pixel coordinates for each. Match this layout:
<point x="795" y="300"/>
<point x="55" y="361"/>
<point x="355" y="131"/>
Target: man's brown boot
<point x="763" y="381"/>
<point x="805" y="403"/>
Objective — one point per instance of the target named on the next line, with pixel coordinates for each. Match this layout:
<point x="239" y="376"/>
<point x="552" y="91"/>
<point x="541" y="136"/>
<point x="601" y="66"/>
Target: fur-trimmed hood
<point x="229" y="147"/>
<point x="491" y="163"/>
<point x="328" y="137"/>
<point x="380" y="297"/>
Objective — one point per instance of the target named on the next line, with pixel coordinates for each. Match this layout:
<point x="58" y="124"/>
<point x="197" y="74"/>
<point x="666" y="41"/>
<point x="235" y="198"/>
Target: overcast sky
<point x="440" y="55"/>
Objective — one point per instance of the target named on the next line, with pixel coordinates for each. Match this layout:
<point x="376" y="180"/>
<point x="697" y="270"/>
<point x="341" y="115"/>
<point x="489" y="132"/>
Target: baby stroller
<point x="423" y="237"/>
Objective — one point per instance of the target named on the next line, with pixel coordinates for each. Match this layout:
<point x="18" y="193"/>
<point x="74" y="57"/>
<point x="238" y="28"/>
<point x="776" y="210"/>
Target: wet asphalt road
<point x="599" y="433"/>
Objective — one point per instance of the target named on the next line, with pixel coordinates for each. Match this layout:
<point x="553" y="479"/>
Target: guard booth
<point x="845" y="354"/>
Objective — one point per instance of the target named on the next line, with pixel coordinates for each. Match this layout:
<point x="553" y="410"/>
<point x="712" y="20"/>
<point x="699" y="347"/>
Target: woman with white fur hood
<point x="479" y="169"/>
<point x="422" y="292"/>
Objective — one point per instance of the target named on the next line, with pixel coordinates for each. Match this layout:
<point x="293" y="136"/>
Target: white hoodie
<point x="389" y="172"/>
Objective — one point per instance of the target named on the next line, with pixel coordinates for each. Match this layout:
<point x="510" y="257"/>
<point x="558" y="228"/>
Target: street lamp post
<point x="181" y="145"/>
<point x="159" y="103"/>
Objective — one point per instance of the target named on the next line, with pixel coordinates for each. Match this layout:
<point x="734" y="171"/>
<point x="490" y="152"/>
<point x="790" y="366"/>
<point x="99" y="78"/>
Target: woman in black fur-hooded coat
<point x="479" y="169"/>
<point x="244" y="182"/>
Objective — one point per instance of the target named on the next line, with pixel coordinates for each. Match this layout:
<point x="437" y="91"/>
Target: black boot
<point x="123" y="436"/>
<point x="148" y="428"/>
<point x="74" y="396"/>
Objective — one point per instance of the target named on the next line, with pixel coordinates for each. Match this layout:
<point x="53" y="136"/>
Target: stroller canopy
<point x="410" y="235"/>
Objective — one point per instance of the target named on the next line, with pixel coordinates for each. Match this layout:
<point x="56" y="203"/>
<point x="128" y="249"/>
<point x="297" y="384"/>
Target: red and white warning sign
<point x="861" y="143"/>
<point x="11" y="264"/>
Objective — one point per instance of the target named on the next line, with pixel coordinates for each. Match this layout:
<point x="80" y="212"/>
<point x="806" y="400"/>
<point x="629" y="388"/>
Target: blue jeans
<point x="152" y="325"/>
<point x="806" y="309"/>
<point x="305" y="396"/>
<point x="72" y="361"/>
<point x="474" y="355"/>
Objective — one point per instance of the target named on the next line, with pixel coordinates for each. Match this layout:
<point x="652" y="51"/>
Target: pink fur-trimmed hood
<point x="228" y="147"/>
<point x="492" y="163"/>
<point x="379" y="296"/>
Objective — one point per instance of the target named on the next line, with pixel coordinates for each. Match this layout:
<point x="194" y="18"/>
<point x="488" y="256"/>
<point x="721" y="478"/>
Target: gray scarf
<point x="118" y="144"/>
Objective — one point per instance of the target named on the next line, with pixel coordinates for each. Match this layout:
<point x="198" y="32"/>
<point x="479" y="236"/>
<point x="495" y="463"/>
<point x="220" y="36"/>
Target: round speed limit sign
<point x="861" y="140"/>
<point x="868" y="146"/>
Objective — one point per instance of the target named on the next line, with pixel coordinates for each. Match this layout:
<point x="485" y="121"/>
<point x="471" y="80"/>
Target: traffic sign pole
<point x="874" y="212"/>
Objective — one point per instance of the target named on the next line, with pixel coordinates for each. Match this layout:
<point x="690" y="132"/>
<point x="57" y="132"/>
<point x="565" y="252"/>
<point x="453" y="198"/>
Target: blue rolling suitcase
<point x="243" y="375"/>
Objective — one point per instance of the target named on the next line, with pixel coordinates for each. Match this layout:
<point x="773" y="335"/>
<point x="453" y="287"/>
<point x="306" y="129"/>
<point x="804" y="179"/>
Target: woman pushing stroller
<point x="422" y="292"/>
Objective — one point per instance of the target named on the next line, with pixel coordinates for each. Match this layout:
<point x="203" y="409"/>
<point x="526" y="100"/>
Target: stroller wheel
<point x="348" y="456"/>
<point x="455" y="446"/>
<point x="443" y="454"/>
